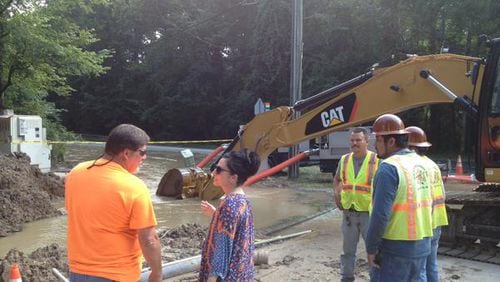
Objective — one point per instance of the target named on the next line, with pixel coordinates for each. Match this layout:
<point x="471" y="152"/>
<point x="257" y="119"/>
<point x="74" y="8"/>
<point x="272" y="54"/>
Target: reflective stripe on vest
<point x="439" y="215"/>
<point x="411" y="217"/>
<point x="356" y="189"/>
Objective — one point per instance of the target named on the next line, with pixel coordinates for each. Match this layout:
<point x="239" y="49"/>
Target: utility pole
<point x="296" y="75"/>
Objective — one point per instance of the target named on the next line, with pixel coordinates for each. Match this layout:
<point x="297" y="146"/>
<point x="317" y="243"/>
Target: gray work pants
<point x="353" y="225"/>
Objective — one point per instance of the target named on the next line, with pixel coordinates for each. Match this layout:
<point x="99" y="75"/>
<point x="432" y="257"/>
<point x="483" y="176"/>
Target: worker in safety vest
<point x="417" y="142"/>
<point x="352" y="190"/>
<point x="400" y="229"/>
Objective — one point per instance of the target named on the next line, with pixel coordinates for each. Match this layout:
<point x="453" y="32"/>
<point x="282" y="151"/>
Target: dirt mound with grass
<point x="38" y="265"/>
<point x="182" y="242"/>
<point x="25" y="193"/>
<point x="177" y="243"/>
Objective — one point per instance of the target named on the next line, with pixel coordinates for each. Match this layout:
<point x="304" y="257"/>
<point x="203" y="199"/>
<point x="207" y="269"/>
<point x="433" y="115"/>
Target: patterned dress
<point x="228" y="249"/>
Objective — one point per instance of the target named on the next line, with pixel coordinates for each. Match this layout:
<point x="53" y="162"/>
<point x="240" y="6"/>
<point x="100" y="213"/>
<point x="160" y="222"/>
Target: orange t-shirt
<point x="106" y="206"/>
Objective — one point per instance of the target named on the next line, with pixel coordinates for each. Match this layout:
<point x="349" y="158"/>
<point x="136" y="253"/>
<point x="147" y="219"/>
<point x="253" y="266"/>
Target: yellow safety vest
<point x="411" y="217"/>
<point x="439" y="215"/>
<point x="357" y="189"/>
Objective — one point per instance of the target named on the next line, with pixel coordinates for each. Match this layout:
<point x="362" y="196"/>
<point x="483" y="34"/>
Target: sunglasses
<point x="142" y="152"/>
<point x="219" y="170"/>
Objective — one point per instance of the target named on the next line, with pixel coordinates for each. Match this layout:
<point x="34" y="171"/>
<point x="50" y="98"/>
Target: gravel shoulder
<point x="315" y="257"/>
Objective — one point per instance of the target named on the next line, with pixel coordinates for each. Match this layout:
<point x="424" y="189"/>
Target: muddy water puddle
<point x="271" y="205"/>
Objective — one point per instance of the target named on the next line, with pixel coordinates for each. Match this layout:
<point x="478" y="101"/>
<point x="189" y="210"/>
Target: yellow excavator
<point x="471" y="83"/>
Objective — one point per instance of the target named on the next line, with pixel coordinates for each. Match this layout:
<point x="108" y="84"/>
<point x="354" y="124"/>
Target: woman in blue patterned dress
<point x="227" y="253"/>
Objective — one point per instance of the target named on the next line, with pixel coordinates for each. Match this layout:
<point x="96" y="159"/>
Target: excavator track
<point x="473" y="231"/>
<point x="471" y="253"/>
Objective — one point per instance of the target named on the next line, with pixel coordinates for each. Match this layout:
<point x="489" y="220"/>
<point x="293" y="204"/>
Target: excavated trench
<point x="29" y="201"/>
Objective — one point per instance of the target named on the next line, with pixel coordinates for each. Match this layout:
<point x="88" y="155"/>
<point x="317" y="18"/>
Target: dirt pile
<point x="182" y="242"/>
<point x="25" y="193"/>
<point x="38" y="265"/>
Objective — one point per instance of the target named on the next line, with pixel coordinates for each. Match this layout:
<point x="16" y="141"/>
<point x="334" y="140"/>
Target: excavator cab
<point x="488" y="155"/>
<point x="473" y="231"/>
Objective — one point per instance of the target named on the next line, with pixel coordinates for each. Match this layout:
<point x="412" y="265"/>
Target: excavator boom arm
<point x="387" y="90"/>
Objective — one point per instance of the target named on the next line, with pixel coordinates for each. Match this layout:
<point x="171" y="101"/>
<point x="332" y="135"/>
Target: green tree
<point x="41" y="47"/>
<point x="193" y="69"/>
<point x="174" y="68"/>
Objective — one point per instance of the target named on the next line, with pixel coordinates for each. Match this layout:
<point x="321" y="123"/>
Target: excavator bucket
<point x="209" y="191"/>
<point x="188" y="183"/>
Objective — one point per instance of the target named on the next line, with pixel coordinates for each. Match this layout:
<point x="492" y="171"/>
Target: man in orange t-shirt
<point x="111" y="221"/>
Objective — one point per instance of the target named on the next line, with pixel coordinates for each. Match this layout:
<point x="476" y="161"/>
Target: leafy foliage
<point x="40" y="49"/>
<point x="192" y="69"/>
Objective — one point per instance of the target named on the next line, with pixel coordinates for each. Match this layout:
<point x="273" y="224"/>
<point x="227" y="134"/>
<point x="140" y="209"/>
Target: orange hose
<point x="210" y="156"/>
<point x="467" y="179"/>
<point x="275" y="169"/>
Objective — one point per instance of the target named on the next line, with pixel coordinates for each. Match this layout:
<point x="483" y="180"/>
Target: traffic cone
<point x="15" y="274"/>
<point x="459" y="169"/>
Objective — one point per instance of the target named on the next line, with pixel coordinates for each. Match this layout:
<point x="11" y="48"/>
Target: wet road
<point x="271" y="206"/>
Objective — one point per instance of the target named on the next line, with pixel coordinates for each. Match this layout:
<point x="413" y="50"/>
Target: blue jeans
<point x="395" y="268"/>
<point x="432" y="265"/>
<point x="77" y="277"/>
<point x="353" y="225"/>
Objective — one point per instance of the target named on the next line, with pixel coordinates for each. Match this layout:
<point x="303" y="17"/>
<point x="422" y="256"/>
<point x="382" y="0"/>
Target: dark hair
<point x="401" y="139"/>
<point x="421" y="150"/>
<point x="361" y="130"/>
<point x="125" y="136"/>
<point x="242" y="163"/>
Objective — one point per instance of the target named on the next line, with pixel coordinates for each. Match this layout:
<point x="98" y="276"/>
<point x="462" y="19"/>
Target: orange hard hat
<point x="389" y="124"/>
<point x="417" y="137"/>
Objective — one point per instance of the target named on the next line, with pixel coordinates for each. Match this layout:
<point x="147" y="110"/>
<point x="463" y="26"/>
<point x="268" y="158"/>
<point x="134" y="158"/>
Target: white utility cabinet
<point x="23" y="133"/>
